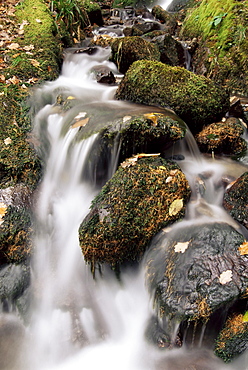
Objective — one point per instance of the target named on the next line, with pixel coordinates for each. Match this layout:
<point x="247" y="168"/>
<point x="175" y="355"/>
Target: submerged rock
<point x="233" y="338"/>
<point x="194" y="270"/>
<point x="222" y="138"/>
<point x="144" y="195"/>
<point x="195" y="99"/>
<point x="236" y="200"/>
<point x="127" y="50"/>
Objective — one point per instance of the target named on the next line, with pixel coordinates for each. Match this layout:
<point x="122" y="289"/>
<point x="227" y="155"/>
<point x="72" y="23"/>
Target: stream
<point x="77" y="321"/>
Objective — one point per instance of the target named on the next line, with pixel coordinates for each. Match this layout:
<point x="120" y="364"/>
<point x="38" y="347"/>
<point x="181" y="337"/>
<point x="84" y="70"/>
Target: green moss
<point x="221" y="28"/>
<point x="15" y="235"/>
<point x="233" y="339"/>
<point x="130" y="209"/>
<point x="195" y="99"/>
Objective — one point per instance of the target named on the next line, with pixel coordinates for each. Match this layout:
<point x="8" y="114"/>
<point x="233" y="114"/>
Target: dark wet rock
<point x="233" y="338"/>
<point x="88" y="50"/>
<point x="127" y="50"/>
<point x="171" y="51"/>
<point x="156" y="335"/>
<point x="194" y="270"/>
<point x="144" y="195"/>
<point x="236" y="108"/>
<point x="14" y="280"/>
<point x="195" y="99"/>
<point x="165" y="18"/>
<point x="236" y="200"/>
<point x="223" y="137"/>
<point x="104" y="75"/>
<point x="140" y="27"/>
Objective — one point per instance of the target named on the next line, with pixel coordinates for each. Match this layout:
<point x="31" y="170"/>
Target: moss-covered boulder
<point x="236" y="200"/>
<point x="127" y="50"/>
<point x="223" y="137"/>
<point x="195" y="99"/>
<point x="220" y="27"/>
<point x="233" y="338"/>
<point x="193" y="270"/>
<point x="144" y="195"/>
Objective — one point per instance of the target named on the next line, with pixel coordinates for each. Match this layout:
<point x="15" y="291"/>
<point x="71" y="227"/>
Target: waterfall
<point x="77" y="321"/>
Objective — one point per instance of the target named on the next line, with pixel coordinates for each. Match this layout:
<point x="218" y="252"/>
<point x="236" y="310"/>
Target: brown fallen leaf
<point x="80" y="123"/>
<point x="3" y="209"/>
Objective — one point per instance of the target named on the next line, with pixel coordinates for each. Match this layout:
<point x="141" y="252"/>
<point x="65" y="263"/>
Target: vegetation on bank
<point x="220" y="27"/>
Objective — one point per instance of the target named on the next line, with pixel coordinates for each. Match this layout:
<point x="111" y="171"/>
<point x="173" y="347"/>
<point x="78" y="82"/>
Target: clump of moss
<point x="233" y="339"/>
<point x="15" y="235"/>
<point x="195" y="99"/>
<point x="133" y="206"/>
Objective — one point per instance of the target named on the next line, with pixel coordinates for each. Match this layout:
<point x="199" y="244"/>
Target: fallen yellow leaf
<point x="3" y="209"/>
<point x="175" y="207"/>
<point x="243" y="249"/>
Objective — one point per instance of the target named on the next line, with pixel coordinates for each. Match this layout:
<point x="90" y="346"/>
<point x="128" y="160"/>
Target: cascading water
<point x="77" y="321"/>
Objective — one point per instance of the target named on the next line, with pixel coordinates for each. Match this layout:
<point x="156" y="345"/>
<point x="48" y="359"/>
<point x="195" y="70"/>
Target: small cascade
<point x="77" y="321"/>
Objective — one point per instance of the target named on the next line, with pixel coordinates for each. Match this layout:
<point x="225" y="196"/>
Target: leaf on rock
<point x="243" y="249"/>
<point x="225" y="277"/>
<point x="7" y="141"/>
<point x="80" y="123"/>
<point x="181" y="247"/>
<point x="3" y="209"/>
<point x="175" y="207"/>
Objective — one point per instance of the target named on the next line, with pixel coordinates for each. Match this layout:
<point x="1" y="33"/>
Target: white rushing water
<point x="78" y="322"/>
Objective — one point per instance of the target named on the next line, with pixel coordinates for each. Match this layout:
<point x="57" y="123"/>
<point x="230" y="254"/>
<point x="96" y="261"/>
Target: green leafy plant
<point x="217" y="19"/>
<point x="70" y="13"/>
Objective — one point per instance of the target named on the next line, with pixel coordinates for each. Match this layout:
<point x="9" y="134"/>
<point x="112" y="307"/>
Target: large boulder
<point x="195" y="269"/>
<point x="127" y="50"/>
<point x="144" y="195"/>
<point x="236" y="200"/>
<point x="195" y="99"/>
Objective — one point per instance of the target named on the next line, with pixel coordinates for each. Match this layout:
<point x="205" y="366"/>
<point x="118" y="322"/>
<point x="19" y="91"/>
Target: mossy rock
<point x="195" y="99"/>
<point x="193" y="270"/>
<point x="144" y="195"/>
<point x="223" y="138"/>
<point x="233" y="338"/>
<point x="127" y="50"/>
<point x="144" y="133"/>
<point x="236" y="200"/>
<point x="222" y="53"/>
<point x="166" y="18"/>
<point x="15" y="234"/>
